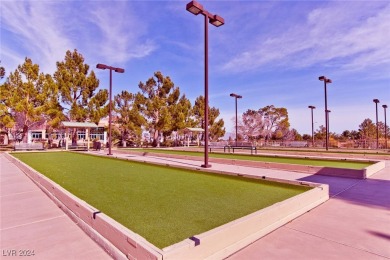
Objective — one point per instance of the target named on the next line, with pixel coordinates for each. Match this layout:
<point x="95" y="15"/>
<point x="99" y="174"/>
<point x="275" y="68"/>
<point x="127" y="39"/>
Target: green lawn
<point x="264" y="158"/>
<point x="164" y="205"/>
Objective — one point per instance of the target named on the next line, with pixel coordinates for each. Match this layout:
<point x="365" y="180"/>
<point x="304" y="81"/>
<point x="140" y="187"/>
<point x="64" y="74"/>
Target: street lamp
<point x="236" y="96"/>
<point x="384" y="108"/>
<point x="327" y="117"/>
<point x="196" y="8"/>
<point x="119" y="70"/>
<point x="326" y="80"/>
<point x="376" y="101"/>
<point x="266" y="124"/>
<point x="312" y="125"/>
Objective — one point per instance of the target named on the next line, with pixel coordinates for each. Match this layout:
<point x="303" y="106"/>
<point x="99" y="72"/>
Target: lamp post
<point x="326" y="80"/>
<point x="376" y="101"/>
<point x="236" y="96"/>
<point x="327" y="117"/>
<point x="266" y="124"/>
<point x="196" y="8"/>
<point x="119" y="70"/>
<point x="312" y="125"/>
<point x="384" y="108"/>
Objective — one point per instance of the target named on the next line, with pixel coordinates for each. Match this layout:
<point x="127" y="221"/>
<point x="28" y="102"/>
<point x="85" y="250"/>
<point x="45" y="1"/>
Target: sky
<point x="270" y="52"/>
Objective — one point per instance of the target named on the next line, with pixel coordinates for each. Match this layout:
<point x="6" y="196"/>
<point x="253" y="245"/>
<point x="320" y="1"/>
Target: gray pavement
<point x="33" y="227"/>
<point x="353" y="224"/>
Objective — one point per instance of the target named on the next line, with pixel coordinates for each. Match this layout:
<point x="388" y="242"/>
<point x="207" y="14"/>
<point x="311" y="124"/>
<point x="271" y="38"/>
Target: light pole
<point x="312" y="125"/>
<point x="119" y="70"/>
<point x="327" y="117"/>
<point x="196" y="8"/>
<point x="326" y="80"/>
<point x="376" y="101"/>
<point x="266" y="124"/>
<point x="384" y="108"/>
<point x="236" y="96"/>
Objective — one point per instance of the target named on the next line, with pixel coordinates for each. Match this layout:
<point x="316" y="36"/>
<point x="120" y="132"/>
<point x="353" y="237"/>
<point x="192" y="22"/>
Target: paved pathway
<point x="353" y="224"/>
<point x="32" y="224"/>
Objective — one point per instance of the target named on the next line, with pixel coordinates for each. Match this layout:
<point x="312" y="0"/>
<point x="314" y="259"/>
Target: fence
<point x="351" y="144"/>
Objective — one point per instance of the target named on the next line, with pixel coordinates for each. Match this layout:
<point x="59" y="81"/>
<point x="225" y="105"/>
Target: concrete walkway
<point x="33" y="227"/>
<point x="353" y="224"/>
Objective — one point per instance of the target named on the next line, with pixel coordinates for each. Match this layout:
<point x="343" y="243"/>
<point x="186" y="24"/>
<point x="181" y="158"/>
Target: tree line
<point x="271" y="123"/>
<point x="30" y="97"/>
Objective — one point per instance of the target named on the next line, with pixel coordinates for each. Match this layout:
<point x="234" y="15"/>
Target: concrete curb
<point x="327" y="171"/>
<point x="50" y="189"/>
<point x="223" y="241"/>
<point x="217" y="243"/>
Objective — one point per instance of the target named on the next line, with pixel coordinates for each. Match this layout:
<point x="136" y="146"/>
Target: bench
<point x="217" y="145"/>
<point x="78" y="147"/>
<point x="298" y="144"/>
<point x="241" y="147"/>
<point x="28" y="146"/>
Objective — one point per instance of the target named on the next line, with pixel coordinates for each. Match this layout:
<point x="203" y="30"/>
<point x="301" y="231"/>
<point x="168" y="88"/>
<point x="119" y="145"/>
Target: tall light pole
<point x="326" y="80"/>
<point x="266" y="123"/>
<point x="384" y="108"/>
<point x="312" y="125"/>
<point x="327" y="117"/>
<point x="376" y="101"/>
<point x="196" y="8"/>
<point x="119" y="70"/>
<point x="236" y="96"/>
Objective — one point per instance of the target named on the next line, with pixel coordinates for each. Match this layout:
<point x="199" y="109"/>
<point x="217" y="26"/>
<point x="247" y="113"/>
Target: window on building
<point x="97" y="133"/>
<point x="81" y="134"/>
<point x="56" y="135"/>
<point x="36" y="135"/>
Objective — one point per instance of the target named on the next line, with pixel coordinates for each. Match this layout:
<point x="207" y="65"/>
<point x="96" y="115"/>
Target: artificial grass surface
<point x="164" y="205"/>
<point x="264" y="158"/>
<point x="335" y="151"/>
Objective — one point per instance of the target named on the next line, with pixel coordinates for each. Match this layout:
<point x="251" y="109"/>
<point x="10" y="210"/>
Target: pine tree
<point x="216" y="127"/>
<point x="182" y="117"/>
<point x="26" y="92"/>
<point x="367" y="130"/>
<point x="129" y="118"/>
<point x="161" y="96"/>
<point x="77" y="87"/>
<point x="2" y="71"/>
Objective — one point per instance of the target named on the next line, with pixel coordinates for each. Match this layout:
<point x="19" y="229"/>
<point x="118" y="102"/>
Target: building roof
<point x="79" y="124"/>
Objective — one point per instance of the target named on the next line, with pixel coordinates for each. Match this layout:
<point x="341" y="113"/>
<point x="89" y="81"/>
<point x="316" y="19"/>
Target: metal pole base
<point x="206" y="165"/>
<point x="109" y="154"/>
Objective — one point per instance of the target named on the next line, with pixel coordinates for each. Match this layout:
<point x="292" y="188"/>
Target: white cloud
<point x="44" y="31"/>
<point x="35" y="30"/>
<point x="121" y="33"/>
<point x="350" y="35"/>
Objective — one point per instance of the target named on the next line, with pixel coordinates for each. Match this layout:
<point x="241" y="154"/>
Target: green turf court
<point x="263" y="158"/>
<point x="164" y="205"/>
<point x="331" y="151"/>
